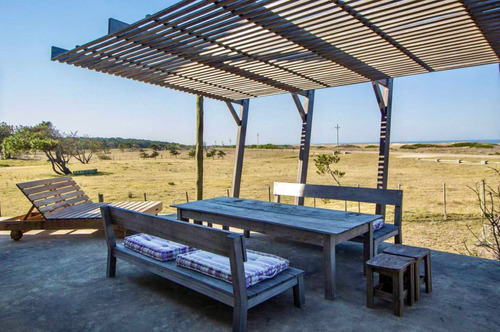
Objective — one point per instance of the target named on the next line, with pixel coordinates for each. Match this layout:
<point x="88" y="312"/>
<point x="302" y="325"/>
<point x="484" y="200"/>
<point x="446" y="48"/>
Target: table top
<point x="305" y="218"/>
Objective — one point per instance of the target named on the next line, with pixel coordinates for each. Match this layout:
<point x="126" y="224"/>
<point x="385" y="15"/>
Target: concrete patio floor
<point x="57" y="282"/>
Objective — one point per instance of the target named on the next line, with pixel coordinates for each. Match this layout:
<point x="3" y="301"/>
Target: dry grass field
<point x="126" y="177"/>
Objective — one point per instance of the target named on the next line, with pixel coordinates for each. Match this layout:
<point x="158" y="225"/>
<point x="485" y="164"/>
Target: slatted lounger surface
<point x="220" y="242"/>
<point x="59" y="203"/>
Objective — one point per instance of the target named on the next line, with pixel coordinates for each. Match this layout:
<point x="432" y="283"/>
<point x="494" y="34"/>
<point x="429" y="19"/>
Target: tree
<point x="174" y="152"/>
<point x="5" y="131"/>
<point x="83" y="148"/>
<point x="489" y="235"/>
<point x="42" y="137"/>
<point x="211" y="154"/>
<point x="324" y="163"/>
<point x="221" y="154"/>
<point x="154" y="154"/>
<point x="192" y="153"/>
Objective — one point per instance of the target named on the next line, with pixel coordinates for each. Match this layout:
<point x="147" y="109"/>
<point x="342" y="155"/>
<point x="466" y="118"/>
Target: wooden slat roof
<point x="232" y="50"/>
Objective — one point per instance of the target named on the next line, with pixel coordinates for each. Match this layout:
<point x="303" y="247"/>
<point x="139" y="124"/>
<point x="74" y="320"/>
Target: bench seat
<point x="203" y="283"/>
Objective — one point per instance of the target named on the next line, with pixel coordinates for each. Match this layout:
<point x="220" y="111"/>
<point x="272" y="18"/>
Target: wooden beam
<point x="57" y="51"/>
<point x="240" y="149"/>
<point x="114" y="26"/>
<point x="199" y="147"/>
<point x="384" y="100"/>
<point x="305" y="142"/>
<point x="233" y="113"/>
<point x="302" y="113"/>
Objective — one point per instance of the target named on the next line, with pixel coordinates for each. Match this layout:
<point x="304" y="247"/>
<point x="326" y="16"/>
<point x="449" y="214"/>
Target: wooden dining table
<point x="329" y="227"/>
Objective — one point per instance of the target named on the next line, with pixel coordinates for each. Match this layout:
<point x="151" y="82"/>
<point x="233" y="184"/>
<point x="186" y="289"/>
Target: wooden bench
<point x="59" y="203"/>
<point x="220" y="242"/>
<point x="366" y="195"/>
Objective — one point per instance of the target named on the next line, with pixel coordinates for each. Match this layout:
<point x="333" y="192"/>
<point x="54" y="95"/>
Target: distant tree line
<point x="59" y="148"/>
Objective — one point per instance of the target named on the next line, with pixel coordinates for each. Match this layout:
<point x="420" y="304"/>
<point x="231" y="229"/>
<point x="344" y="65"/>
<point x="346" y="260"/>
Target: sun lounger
<point x="59" y="203"/>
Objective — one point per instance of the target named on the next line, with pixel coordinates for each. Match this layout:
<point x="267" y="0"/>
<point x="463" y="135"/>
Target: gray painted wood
<point x="221" y="242"/>
<point x="199" y="147"/>
<point x="305" y="141"/>
<point x="290" y="221"/>
<point x="367" y="195"/>
<point x="240" y="149"/>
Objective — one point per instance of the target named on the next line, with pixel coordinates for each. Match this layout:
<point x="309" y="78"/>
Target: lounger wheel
<point x="16" y="235"/>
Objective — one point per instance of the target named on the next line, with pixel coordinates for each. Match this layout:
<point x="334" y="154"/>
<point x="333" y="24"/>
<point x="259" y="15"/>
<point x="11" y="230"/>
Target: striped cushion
<point x="378" y="224"/>
<point x="258" y="267"/>
<point x="155" y="247"/>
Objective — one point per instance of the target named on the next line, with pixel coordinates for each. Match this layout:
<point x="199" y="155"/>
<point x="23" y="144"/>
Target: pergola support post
<point x="199" y="148"/>
<point x="384" y="99"/>
<point x="306" y="114"/>
<point x="241" y="121"/>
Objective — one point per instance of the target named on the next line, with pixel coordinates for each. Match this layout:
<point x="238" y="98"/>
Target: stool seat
<point x="390" y="262"/>
<point x="407" y="251"/>
<point x="419" y="254"/>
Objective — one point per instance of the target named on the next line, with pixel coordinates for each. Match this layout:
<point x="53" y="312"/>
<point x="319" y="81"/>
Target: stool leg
<point x="428" y="277"/>
<point x="369" y="286"/>
<point x="397" y="293"/>
<point x="417" y="279"/>
<point x="410" y="270"/>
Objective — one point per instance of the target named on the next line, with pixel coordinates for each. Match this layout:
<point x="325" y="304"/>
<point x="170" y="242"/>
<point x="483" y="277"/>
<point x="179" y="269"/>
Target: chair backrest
<point x="53" y="194"/>
<point x="366" y="195"/>
<point x="218" y="241"/>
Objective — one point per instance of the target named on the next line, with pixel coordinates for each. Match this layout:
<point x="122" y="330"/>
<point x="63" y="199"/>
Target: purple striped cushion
<point x="258" y="267"/>
<point x="155" y="247"/>
<point x="378" y="224"/>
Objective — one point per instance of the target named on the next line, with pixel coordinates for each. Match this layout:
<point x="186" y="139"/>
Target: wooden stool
<point x="419" y="254"/>
<point x="395" y="268"/>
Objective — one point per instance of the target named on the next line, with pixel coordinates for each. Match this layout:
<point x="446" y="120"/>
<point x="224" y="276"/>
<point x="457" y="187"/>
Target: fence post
<point x="269" y="192"/>
<point x="359" y="204"/>
<point x="100" y="198"/>
<point x="145" y="198"/>
<point x="227" y="192"/>
<point x="187" y="197"/>
<point x="314" y="201"/>
<point x="444" y="200"/>
<point x="482" y="197"/>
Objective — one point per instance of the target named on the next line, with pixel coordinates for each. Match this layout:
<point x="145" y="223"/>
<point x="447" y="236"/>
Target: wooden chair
<point x="220" y="242"/>
<point x="366" y="195"/>
<point x="59" y="203"/>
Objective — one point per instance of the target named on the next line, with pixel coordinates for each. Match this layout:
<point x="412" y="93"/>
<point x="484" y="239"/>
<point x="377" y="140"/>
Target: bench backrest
<point x="356" y="194"/>
<point x="218" y="241"/>
<point x="53" y="194"/>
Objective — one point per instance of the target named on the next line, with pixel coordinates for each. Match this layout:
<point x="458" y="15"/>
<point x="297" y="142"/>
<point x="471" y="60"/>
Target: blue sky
<point x="451" y="105"/>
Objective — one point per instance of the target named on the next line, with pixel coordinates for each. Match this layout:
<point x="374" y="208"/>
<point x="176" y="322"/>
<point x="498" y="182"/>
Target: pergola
<point x="235" y="50"/>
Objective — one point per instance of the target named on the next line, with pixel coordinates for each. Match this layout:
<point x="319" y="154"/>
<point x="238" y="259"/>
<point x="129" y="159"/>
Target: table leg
<point x="179" y="216"/>
<point x="329" y="266"/>
<point x="367" y="246"/>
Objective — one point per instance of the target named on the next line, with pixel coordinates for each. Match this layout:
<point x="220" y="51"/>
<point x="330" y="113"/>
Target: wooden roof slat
<point x="238" y="49"/>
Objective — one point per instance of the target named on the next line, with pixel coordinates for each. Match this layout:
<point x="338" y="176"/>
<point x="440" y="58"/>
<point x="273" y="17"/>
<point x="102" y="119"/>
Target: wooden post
<point x="269" y="193"/>
<point x="199" y="148"/>
<point x="100" y="198"/>
<point x="240" y="145"/>
<point x="187" y="197"/>
<point x="482" y="197"/>
<point x="359" y="204"/>
<point x="227" y="192"/>
<point x="444" y="201"/>
<point x="306" y="113"/>
<point x="145" y="197"/>
<point x="384" y="100"/>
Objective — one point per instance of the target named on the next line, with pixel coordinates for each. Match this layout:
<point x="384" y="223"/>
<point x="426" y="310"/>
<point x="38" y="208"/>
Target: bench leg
<point x="411" y="284"/>
<point x="246" y="233"/>
<point x="417" y="279"/>
<point x="240" y="312"/>
<point x="111" y="268"/>
<point x="299" y="299"/>
<point x="398" y="239"/>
